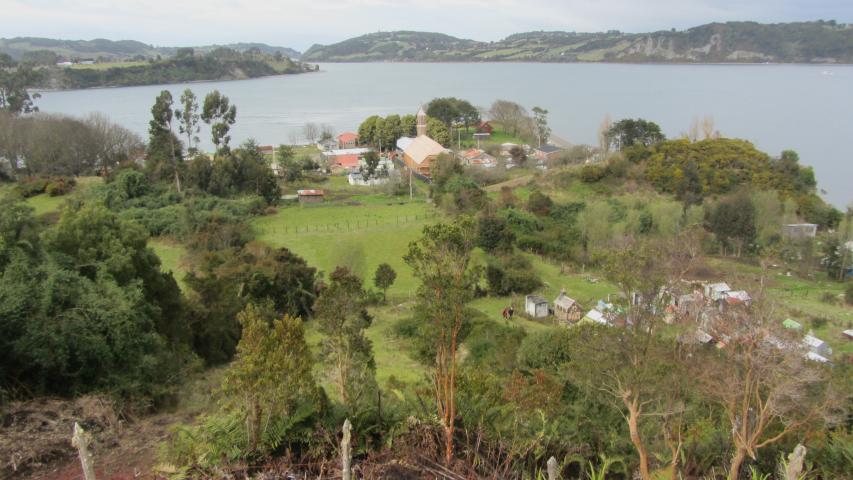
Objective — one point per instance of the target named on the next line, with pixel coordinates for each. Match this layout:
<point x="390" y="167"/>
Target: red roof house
<point x="347" y="140"/>
<point x="347" y="161"/>
<point x="485" y="127"/>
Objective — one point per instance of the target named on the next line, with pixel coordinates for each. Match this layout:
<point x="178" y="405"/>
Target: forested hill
<point x="737" y="42"/>
<point x="186" y="66"/>
<point x="20" y="48"/>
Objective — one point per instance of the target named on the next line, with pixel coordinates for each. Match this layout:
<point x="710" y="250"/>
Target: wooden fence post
<point x="552" y="468"/>
<point x="346" y="451"/>
<point x="80" y="440"/>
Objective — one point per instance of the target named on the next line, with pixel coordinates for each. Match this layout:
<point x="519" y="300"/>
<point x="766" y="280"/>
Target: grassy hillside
<point x="803" y="42"/>
<point x="119" y="50"/>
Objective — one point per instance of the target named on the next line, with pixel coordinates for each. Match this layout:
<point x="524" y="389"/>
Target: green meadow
<point x="357" y="236"/>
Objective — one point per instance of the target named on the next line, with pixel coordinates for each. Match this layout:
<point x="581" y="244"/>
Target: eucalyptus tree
<point x="220" y="115"/>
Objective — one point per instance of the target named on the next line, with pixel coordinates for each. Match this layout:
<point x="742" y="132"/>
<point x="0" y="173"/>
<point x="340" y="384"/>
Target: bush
<point x="59" y="186"/>
<point x="848" y="294"/>
<point x="545" y="350"/>
<point x="539" y="203"/>
<point x="30" y="187"/>
<point x="592" y="173"/>
<point x="513" y="274"/>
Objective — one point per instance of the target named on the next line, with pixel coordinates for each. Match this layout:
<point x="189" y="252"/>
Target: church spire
<point x="422" y="122"/>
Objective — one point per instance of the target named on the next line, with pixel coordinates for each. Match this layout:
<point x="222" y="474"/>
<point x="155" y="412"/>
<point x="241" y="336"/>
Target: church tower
<point x="422" y="122"/>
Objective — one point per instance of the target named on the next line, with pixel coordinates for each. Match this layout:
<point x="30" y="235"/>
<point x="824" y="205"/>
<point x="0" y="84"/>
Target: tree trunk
<point x="633" y="428"/>
<point x="737" y="461"/>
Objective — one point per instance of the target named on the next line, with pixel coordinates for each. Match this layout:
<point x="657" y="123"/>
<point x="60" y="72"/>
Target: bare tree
<point x="603" y="139"/>
<point x="708" y="131"/>
<point x="310" y="131"/>
<point x="327" y="132"/>
<point x="115" y="144"/>
<point x="638" y="370"/>
<point x="512" y="116"/>
<point x="693" y="131"/>
<point x="764" y="382"/>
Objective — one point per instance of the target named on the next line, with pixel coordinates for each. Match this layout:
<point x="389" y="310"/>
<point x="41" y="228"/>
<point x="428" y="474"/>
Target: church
<point x="421" y="151"/>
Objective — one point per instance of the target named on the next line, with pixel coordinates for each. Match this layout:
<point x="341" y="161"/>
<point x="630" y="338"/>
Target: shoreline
<point x="591" y="62"/>
<point x="105" y="87"/>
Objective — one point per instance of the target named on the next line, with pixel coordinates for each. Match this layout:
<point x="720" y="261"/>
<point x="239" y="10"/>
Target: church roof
<point x="423" y="147"/>
<point x="421" y="111"/>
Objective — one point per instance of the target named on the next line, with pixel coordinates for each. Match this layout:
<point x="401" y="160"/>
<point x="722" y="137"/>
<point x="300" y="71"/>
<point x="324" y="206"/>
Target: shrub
<point x="59" y="186"/>
<point x="31" y="187"/>
<point x="539" y="203"/>
<point x="545" y="350"/>
<point x="513" y="274"/>
<point x="592" y="173"/>
<point x="848" y="294"/>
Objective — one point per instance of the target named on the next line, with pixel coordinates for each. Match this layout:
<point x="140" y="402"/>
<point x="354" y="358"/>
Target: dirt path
<point x="512" y="183"/>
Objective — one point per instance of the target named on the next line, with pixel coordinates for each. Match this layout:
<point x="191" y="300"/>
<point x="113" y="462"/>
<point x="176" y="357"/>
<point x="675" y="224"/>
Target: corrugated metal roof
<point x="422" y="148"/>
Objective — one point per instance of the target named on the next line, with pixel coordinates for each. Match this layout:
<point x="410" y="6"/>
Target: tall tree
<point x="341" y="311"/>
<point x="220" y="115"/>
<point x="543" y="131"/>
<point x="438" y="131"/>
<point x="188" y="118"/>
<point x="384" y="278"/>
<point x="443" y="109"/>
<point x="628" y="132"/>
<point x="163" y="154"/>
<point x="14" y="96"/>
<point x="441" y="259"/>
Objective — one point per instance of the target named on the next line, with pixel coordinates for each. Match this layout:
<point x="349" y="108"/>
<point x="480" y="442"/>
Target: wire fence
<point x="352" y="225"/>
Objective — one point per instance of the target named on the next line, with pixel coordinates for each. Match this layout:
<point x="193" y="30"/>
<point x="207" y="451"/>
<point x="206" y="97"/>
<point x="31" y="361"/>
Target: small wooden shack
<point x="566" y="309"/>
<point x="536" y="306"/>
<point x="310" y="196"/>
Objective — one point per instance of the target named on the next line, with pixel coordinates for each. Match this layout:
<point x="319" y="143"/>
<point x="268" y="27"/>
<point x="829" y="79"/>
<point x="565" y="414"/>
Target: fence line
<point x="348" y="225"/>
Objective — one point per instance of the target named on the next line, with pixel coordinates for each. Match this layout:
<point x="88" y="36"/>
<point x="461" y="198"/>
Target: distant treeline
<point x="186" y="66"/>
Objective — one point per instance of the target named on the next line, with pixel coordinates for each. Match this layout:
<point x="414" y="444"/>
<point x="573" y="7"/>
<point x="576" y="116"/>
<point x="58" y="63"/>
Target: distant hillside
<point x="18" y="47"/>
<point x="99" y="47"/>
<point x="804" y="42"/>
<point x="220" y="64"/>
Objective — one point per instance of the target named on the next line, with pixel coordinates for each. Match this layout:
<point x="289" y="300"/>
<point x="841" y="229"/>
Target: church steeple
<point x="422" y="122"/>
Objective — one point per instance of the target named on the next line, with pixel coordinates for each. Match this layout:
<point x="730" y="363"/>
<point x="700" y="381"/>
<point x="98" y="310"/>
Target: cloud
<point x="299" y="23"/>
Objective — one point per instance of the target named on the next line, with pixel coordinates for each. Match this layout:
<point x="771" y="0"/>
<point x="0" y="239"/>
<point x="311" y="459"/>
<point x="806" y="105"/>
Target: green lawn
<point x="390" y="352"/>
<point x="359" y="236"/>
<point x="107" y="65"/>
<point x="171" y="254"/>
<point x="44" y="203"/>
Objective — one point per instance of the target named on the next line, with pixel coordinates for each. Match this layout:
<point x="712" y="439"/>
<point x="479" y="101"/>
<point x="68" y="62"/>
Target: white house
<point x="596" y="317"/>
<point x="536" y="306"/>
<point x="716" y="291"/>
<point x="817" y="345"/>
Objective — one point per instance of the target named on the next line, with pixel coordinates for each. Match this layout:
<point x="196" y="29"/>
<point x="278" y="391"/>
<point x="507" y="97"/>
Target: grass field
<point x="358" y="236"/>
<point x="44" y="203"/>
<point x="171" y="254"/>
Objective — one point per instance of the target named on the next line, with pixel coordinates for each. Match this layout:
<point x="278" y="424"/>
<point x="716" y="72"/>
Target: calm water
<point x="805" y="108"/>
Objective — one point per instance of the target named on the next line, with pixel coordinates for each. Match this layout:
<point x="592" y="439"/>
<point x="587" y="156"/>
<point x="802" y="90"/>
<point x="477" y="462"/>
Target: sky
<point x="300" y="23"/>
